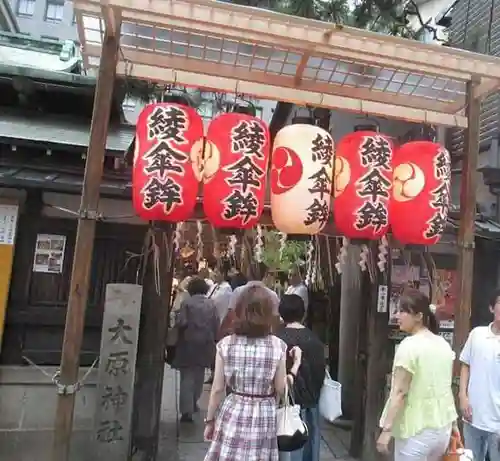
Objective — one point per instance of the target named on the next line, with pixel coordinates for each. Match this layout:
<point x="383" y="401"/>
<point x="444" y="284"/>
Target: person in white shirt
<point x="480" y="387"/>
<point x="220" y="293"/>
<point x="204" y="273"/>
<point x="298" y="287"/>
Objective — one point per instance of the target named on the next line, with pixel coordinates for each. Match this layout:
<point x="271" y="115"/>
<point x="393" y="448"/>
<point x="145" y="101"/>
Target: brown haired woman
<point x="252" y="362"/>
<point x="420" y="410"/>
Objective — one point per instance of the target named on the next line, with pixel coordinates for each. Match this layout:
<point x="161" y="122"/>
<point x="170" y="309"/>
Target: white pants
<point x="428" y="445"/>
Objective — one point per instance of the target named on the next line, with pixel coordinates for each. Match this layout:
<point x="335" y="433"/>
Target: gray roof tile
<point x="56" y="131"/>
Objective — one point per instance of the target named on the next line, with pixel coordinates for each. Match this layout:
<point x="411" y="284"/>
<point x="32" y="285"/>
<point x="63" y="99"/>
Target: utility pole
<point x="82" y="259"/>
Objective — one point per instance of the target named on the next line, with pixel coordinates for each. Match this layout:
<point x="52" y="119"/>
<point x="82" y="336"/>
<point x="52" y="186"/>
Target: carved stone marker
<point x="120" y="333"/>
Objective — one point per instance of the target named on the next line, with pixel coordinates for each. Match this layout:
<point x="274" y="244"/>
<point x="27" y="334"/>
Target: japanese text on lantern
<point x="374" y="187"/>
<point x="248" y="139"/>
<point x="321" y="181"/>
<point x="166" y="127"/>
<point x="117" y="369"/>
<point x="440" y="195"/>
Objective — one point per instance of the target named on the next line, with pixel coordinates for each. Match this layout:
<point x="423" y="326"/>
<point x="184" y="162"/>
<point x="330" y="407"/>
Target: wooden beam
<point x="295" y="96"/>
<point x="300" y="68"/>
<point x="111" y="19"/>
<point x="180" y="63"/>
<point x="468" y="190"/>
<point x="486" y="86"/>
<point x="481" y="90"/>
<point x="82" y="259"/>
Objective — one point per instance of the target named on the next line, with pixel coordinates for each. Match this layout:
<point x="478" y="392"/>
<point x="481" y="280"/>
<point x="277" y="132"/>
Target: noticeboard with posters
<point x="415" y="275"/>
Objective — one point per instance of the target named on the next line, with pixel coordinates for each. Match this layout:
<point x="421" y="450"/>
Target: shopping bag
<point x="330" y="403"/>
<point x="291" y="430"/>
<point x="456" y="450"/>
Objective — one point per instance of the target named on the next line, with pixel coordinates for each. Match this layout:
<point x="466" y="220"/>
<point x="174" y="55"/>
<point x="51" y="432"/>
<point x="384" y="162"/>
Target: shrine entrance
<point x="241" y="50"/>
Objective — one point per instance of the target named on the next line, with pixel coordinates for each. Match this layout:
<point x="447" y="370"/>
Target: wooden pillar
<point x="158" y="274"/>
<point x="350" y="312"/>
<point x="82" y="259"/>
<point x="360" y="348"/>
<point x="378" y="365"/>
<point x="467" y="218"/>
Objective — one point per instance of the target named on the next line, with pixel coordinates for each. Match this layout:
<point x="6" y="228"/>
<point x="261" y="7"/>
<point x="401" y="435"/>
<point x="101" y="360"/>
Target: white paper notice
<point x="49" y="253"/>
<point x="8" y="223"/>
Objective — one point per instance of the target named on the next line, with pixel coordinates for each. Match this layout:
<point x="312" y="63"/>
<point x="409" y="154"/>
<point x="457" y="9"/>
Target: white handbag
<point x="330" y="403"/>
<point x="291" y="430"/>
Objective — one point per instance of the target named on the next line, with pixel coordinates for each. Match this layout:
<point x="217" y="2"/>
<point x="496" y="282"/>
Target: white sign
<point x="383" y="293"/>
<point x="8" y="223"/>
<point x="49" y="253"/>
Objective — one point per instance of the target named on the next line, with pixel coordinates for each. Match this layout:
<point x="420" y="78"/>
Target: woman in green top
<point x="420" y="410"/>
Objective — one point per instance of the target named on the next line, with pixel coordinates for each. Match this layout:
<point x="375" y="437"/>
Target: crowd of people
<point x="256" y="344"/>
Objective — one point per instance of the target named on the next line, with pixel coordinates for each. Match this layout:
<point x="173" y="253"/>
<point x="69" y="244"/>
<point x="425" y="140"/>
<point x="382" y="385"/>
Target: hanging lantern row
<point x="173" y="157"/>
<point x="370" y="184"/>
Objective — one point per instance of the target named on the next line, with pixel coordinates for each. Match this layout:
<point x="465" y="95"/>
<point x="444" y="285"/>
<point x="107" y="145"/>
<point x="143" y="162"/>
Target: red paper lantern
<point x="301" y="179"/>
<point x="362" y="185"/>
<point x="421" y="192"/>
<point x="235" y="168"/>
<point x="167" y="153"/>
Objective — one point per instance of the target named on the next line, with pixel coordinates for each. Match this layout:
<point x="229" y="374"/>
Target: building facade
<point x="475" y="26"/>
<point x="46" y="19"/>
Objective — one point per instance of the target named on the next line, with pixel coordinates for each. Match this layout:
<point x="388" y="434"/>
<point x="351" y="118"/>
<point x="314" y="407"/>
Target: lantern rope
<point x="382" y="253"/>
<point x="309" y="261"/>
<point x="199" y="240"/>
<point x="282" y="245"/>
<point x="342" y="255"/>
<point x="259" y="244"/>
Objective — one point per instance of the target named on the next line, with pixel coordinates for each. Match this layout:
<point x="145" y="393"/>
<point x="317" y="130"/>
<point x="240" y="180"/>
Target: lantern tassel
<point x="259" y="244"/>
<point x="282" y="245"/>
<point x="363" y="261"/>
<point x="178" y="236"/>
<point x="199" y="240"/>
<point x="382" y="253"/>
<point x="342" y="255"/>
<point x="242" y="252"/>
<point x="309" y="258"/>
<point x="232" y="246"/>
<point x="314" y="271"/>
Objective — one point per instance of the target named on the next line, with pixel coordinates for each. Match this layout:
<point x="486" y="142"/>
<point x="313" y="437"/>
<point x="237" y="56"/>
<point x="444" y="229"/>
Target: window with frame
<point x="26" y="7"/>
<point x="54" y="10"/>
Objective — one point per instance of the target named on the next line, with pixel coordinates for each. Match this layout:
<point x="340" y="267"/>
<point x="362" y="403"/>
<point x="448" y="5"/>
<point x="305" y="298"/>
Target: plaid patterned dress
<point x="245" y="429"/>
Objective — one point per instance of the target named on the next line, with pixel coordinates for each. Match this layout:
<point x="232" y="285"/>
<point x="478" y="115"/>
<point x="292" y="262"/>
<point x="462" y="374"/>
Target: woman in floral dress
<point x="252" y="362"/>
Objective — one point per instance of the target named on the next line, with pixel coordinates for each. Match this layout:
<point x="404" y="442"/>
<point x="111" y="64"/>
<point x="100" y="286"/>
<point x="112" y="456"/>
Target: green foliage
<point x="384" y="16"/>
<point x="294" y="253"/>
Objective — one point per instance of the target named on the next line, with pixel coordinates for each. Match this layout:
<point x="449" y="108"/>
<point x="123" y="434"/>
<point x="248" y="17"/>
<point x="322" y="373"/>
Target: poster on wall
<point x="446" y="297"/>
<point x="401" y="277"/>
<point x="8" y="222"/>
<point x="49" y="253"/>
